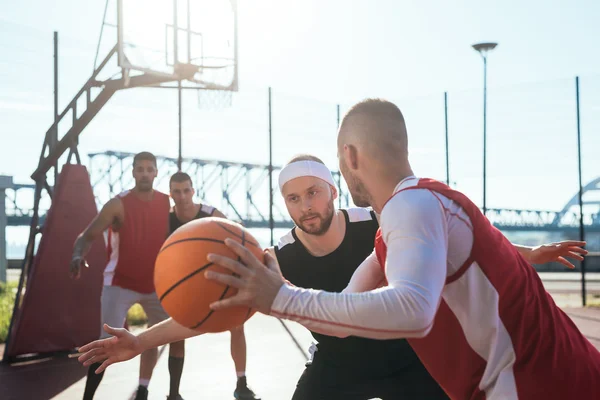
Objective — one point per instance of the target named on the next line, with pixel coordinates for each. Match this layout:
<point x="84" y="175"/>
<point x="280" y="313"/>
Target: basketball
<point x="184" y="292"/>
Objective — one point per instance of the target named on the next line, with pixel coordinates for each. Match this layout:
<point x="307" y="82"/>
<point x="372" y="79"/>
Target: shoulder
<point x="122" y="195"/>
<point x="362" y="221"/>
<point x="115" y="202"/>
<point x="288" y="254"/>
<point x="286" y="240"/>
<point x="113" y="208"/>
<point x="359" y="214"/>
<point x="162" y="196"/>
<point x="414" y="208"/>
<point x="415" y="199"/>
<point x="205" y="208"/>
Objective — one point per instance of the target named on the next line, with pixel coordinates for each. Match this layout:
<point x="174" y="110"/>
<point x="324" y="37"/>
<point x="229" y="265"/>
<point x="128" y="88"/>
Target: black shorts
<point x="323" y="381"/>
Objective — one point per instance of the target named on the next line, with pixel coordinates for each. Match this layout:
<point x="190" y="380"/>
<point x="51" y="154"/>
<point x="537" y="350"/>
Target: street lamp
<point x="484" y="49"/>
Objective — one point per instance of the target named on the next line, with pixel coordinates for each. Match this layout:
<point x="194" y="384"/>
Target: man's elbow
<point x="422" y="322"/>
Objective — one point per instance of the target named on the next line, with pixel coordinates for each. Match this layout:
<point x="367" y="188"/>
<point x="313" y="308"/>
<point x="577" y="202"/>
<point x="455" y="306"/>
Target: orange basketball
<point x="184" y="292"/>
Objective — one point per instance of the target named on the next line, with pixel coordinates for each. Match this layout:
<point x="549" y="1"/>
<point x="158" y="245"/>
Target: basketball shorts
<point x="116" y="301"/>
<point x="323" y="381"/>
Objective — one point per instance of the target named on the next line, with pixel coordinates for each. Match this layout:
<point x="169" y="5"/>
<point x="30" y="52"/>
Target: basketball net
<point x="213" y="100"/>
<point x="216" y="99"/>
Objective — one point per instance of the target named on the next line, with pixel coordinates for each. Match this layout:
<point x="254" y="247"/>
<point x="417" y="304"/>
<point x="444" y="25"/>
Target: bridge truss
<point x="241" y="191"/>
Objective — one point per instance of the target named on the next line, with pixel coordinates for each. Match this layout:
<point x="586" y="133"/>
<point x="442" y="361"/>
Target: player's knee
<point x="177" y="349"/>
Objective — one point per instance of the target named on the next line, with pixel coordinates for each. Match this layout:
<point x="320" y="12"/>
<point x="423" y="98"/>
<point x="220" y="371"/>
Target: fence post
<point x="581" y="227"/>
<point x="447" y="145"/>
<point x="271" y="221"/>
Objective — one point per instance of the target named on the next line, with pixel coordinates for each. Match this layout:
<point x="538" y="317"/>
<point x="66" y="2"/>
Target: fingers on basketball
<point x="184" y="291"/>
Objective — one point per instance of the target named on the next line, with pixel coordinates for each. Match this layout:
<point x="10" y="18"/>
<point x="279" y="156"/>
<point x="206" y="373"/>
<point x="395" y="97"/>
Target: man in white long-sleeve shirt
<point x="473" y="309"/>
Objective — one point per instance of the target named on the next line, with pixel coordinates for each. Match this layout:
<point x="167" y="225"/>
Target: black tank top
<point x="174" y="222"/>
<point x="332" y="273"/>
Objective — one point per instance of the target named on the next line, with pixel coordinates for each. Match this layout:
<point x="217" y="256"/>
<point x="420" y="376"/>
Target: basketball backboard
<point x="204" y="50"/>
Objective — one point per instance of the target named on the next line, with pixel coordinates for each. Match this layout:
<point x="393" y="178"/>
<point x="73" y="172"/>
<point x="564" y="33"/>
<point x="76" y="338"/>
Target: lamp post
<point x="483" y="49"/>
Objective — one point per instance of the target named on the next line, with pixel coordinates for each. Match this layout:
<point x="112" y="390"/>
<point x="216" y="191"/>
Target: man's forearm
<point x="165" y="332"/>
<point x="82" y="247"/>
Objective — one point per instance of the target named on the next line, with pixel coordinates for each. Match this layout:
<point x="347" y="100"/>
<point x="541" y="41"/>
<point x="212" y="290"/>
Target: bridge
<point x="241" y="191"/>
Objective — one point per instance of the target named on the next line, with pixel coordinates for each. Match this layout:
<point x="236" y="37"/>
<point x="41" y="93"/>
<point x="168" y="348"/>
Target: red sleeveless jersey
<point x="548" y="357"/>
<point x="133" y="249"/>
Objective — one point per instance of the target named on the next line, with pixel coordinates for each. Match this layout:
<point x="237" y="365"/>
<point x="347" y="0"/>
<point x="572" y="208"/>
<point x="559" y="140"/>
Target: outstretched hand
<point x="558" y="252"/>
<point x="77" y="263"/>
<point x="257" y="283"/>
<point x="122" y="346"/>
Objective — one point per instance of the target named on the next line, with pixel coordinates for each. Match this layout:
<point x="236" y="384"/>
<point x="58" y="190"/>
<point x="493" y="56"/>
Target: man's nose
<point x="306" y="204"/>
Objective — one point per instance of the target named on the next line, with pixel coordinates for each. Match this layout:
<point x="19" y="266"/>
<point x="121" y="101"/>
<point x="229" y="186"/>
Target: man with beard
<point x="472" y="307"/>
<point x="323" y="251"/>
<point x="137" y="221"/>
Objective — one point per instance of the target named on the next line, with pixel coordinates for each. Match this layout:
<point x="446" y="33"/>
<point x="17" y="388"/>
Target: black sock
<point x="92" y="382"/>
<point x="241" y="382"/>
<point x="175" y="370"/>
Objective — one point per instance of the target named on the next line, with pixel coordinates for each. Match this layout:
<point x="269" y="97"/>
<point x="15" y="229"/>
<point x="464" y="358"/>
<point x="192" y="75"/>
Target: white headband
<point x="304" y="168"/>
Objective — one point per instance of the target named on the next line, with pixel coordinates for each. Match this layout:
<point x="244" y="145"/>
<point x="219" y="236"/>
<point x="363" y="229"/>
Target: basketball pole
<point x="175" y="61"/>
<point x="180" y="156"/>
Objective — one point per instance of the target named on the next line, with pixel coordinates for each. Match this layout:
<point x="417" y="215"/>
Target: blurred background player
<point x="137" y="221"/>
<point x="185" y="210"/>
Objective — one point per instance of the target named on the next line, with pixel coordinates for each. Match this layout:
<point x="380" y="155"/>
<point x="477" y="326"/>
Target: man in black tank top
<point x="322" y="252"/>
<point x="186" y="210"/>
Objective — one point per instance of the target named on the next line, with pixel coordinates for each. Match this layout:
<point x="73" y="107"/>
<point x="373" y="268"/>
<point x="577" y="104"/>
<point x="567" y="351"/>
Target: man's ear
<point x="334" y="192"/>
<point x="351" y="156"/>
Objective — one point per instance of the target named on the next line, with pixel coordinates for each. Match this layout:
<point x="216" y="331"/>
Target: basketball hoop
<point x="214" y="100"/>
<point x="185" y="70"/>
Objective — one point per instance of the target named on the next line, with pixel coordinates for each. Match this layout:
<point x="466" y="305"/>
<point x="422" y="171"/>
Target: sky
<point x="316" y="55"/>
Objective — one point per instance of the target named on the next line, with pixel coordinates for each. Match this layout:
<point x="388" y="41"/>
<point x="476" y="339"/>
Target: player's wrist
<point x="284" y="295"/>
<point x="525" y="251"/>
<point x="143" y="341"/>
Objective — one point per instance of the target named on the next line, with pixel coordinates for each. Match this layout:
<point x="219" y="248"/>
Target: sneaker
<point x="243" y="392"/>
<point x="142" y="393"/>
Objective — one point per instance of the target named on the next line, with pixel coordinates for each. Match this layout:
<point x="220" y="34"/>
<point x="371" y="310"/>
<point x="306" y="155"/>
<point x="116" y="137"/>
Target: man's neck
<point x="322" y="245"/>
<point x="187" y="213"/>
<point x="384" y="187"/>
<point x="144" y="195"/>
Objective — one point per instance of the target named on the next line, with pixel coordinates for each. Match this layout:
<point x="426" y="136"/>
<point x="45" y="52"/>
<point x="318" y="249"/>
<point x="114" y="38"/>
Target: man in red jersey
<point x="475" y="312"/>
<point x="137" y="221"/>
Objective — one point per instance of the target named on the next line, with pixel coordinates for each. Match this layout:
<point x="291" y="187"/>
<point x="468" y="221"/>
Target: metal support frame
<point x="5" y="183"/>
<point x="53" y="148"/>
